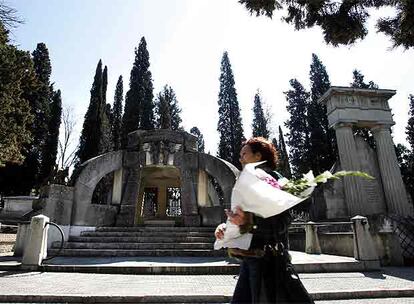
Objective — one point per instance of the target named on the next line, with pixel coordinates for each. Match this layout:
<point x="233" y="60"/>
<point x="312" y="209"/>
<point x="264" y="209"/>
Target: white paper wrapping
<point x="252" y="194"/>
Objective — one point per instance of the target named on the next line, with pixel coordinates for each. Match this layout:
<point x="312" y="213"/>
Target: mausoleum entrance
<point x="160" y="197"/>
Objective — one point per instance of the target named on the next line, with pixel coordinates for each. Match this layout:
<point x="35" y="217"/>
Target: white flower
<point x="282" y="182"/>
<point x="310" y="179"/>
<point x="323" y="178"/>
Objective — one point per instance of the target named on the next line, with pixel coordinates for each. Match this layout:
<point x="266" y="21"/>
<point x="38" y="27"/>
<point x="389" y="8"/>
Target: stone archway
<point x="83" y="212"/>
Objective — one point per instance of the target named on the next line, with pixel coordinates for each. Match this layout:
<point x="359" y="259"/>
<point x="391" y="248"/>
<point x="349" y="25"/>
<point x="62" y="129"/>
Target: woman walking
<point x="266" y="273"/>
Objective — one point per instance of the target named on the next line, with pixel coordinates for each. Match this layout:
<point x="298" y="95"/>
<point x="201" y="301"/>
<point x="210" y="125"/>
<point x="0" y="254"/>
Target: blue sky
<point x="186" y="39"/>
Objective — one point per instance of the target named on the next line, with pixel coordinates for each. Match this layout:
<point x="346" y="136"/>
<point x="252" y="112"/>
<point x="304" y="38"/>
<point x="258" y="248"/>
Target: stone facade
<point x="348" y="108"/>
<point x="159" y="160"/>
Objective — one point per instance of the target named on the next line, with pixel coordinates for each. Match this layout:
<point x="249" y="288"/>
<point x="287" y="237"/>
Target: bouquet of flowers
<point x="304" y="186"/>
<point x="258" y="192"/>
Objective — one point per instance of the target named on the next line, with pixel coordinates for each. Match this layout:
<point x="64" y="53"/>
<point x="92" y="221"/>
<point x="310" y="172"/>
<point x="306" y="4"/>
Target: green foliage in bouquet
<point x="304" y="186"/>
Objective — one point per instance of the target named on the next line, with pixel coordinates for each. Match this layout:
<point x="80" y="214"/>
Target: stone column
<point x="117" y="187"/>
<point x="202" y="191"/>
<point x="395" y="193"/>
<point x="349" y="161"/>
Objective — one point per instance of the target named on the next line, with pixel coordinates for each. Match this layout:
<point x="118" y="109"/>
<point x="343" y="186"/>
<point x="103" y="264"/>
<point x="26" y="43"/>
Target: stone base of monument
<point x="154" y="239"/>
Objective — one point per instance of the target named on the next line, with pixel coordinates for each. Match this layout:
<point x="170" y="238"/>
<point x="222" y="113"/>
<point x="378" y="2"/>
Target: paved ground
<point x="129" y="288"/>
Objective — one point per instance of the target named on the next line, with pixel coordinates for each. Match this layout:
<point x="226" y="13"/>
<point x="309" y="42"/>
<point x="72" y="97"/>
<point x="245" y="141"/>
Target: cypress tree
<point x="259" y="124"/>
<point x="230" y="124"/>
<point x="167" y="109"/>
<point x="139" y="105"/>
<point x="299" y="135"/>
<point x="50" y="148"/>
<point x="407" y="159"/>
<point x="105" y="118"/>
<point x="200" y="139"/>
<point x="322" y="154"/>
<point x="358" y="82"/>
<point x="410" y="125"/>
<point x="116" y="121"/>
<point x="283" y="165"/>
<point x="90" y="140"/>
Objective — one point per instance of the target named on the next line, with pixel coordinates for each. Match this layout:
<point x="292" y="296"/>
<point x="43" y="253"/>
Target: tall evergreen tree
<point x="139" y="107"/>
<point x="283" y="165"/>
<point x="91" y="137"/>
<point x="50" y="149"/>
<point x="167" y="110"/>
<point x="358" y="82"/>
<point x="299" y="135"/>
<point x="17" y="77"/>
<point x="200" y="138"/>
<point x="410" y="125"/>
<point x="230" y="124"/>
<point x="259" y="124"/>
<point x="40" y="107"/>
<point x="322" y="154"/>
<point x="116" y="121"/>
<point x="407" y="159"/>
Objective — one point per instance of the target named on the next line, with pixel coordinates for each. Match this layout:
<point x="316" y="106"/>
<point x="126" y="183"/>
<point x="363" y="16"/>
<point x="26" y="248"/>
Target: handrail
<point x="62" y="241"/>
<point x="320" y="223"/>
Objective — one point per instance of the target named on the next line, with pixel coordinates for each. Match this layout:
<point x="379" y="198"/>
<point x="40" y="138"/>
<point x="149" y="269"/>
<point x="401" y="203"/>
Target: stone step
<point x="155" y="228"/>
<point x="137" y="253"/>
<point x="169" y="223"/>
<point x="146" y="234"/>
<point x="137" y="246"/>
<point x="143" y="239"/>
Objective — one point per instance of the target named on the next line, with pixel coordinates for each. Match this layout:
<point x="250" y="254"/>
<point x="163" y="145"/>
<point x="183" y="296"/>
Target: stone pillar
<point x="349" y="161"/>
<point x="117" y="187"/>
<point x="128" y="208"/>
<point x="364" y="246"/>
<point x="202" y="191"/>
<point x="395" y="193"/>
<point x="312" y="239"/>
<point x="36" y="249"/>
<point x="189" y="180"/>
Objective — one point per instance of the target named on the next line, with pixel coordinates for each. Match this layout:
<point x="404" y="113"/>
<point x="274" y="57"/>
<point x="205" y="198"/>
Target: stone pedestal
<point x="36" y="250"/>
<point x="364" y="246"/>
<point x="354" y="194"/>
<point x="312" y="241"/>
<point x="395" y="193"/>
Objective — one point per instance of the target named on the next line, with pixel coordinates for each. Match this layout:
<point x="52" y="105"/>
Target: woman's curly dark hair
<point x="266" y="149"/>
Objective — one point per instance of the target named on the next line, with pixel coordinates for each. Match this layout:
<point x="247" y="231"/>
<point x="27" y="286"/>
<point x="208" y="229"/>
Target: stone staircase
<point x="150" y="240"/>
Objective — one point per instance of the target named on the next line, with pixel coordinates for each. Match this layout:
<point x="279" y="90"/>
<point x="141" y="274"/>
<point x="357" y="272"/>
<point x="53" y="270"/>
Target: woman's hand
<point x="238" y="217"/>
<point x="219" y="233"/>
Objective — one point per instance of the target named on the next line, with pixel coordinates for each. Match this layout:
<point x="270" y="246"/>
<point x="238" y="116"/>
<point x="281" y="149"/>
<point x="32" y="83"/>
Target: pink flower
<point x="272" y="182"/>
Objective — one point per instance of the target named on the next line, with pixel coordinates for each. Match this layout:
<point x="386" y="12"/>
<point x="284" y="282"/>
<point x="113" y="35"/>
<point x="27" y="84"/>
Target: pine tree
<point x="299" y="135"/>
<point x="283" y="164"/>
<point x="167" y="110"/>
<point x="50" y="148"/>
<point x="116" y="121"/>
<point x="18" y="86"/>
<point x="200" y="139"/>
<point x="230" y="124"/>
<point x="259" y="124"/>
<point x="91" y="136"/>
<point x="139" y="105"/>
<point x="322" y="154"/>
